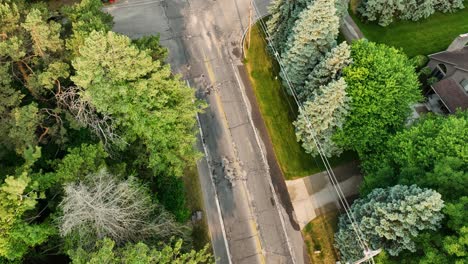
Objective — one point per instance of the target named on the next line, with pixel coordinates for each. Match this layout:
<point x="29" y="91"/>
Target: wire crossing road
<point x="248" y="222"/>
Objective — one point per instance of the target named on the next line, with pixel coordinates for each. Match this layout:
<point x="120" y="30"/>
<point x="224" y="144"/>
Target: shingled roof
<point x="459" y="57"/>
<point x="451" y="94"/>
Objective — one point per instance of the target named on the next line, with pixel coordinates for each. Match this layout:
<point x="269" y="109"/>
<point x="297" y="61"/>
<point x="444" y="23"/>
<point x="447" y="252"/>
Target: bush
<point x="426" y="71"/>
<point x="171" y="194"/>
<point x="419" y="61"/>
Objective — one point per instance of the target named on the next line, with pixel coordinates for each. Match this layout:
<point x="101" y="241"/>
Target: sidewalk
<point x="314" y="195"/>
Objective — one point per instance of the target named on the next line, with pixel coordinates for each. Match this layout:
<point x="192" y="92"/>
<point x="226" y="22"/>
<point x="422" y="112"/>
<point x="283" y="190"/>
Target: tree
<point x="382" y="85"/>
<point x="145" y="101"/>
<point x="320" y="118"/>
<point x="101" y="206"/>
<point x="391" y="219"/>
<point x="152" y="45"/>
<point x="284" y="14"/>
<point x="106" y="252"/>
<point x="18" y="196"/>
<point x="312" y="36"/>
<point x="386" y="11"/>
<point x="327" y="70"/>
<point x="85" y="17"/>
<point x="430" y="153"/>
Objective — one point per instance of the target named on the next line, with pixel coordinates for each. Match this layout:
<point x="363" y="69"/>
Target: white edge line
<point x="265" y="162"/>
<point x="207" y="157"/>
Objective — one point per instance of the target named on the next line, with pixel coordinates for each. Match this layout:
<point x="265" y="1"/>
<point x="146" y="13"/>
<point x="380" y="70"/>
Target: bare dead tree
<point x="122" y="210"/>
<point x="100" y="124"/>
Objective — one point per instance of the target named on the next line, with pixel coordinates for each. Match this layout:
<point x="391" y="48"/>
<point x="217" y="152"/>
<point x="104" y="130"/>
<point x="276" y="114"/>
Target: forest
<point x="97" y="133"/>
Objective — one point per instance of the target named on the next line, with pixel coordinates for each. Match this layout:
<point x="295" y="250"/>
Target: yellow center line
<point x="212" y="78"/>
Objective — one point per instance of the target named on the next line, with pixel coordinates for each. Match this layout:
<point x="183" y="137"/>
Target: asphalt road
<point x="248" y="222"/>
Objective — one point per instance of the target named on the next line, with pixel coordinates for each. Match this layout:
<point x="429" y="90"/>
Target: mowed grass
<point x="318" y="236"/>
<point x="423" y="37"/>
<point x="279" y="111"/>
<point x="194" y="199"/>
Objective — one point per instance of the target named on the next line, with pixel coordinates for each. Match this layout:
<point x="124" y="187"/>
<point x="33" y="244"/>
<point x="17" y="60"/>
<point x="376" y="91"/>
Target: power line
<point x="324" y="159"/>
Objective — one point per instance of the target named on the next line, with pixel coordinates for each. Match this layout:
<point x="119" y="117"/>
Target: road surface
<point x="248" y="222"/>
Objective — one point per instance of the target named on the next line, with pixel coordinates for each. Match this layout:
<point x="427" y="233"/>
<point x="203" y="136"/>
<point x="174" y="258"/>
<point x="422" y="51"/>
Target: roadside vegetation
<point x="423" y="37"/>
<point x="318" y="236"/>
<point x="97" y="153"/>
<point x="357" y="97"/>
<point x="279" y="111"/>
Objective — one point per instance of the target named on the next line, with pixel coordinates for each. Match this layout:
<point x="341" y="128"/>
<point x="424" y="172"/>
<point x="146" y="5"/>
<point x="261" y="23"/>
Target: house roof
<point x="451" y="94"/>
<point x="459" y="57"/>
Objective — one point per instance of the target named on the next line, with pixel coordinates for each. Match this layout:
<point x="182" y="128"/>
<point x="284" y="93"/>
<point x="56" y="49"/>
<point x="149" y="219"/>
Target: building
<point x="450" y="67"/>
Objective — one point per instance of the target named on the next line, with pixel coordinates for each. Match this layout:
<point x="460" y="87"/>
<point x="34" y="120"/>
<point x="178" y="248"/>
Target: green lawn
<point x="279" y="111"/>
<point x="424" y="37"/>
<point x="319" y="236"/>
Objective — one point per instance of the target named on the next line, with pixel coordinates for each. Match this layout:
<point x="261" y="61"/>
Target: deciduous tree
<point x="101" y="206"/>
<point x="106" y="252"/>
<point x="18" y="196"/>
<point x="382" y="85"/>
<point x="143" y="98"/>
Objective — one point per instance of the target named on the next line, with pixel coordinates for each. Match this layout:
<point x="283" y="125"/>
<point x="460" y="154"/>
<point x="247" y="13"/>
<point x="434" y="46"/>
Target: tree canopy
<point x="390" y="219"/>
<point x="382" y="85"/>
<point x="106" y="252"/>
<point x="79" y="101"/>
<point x="430" y="153"/>
<point x="311" y="38"/>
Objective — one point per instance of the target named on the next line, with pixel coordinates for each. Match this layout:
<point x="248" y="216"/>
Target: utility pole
<point x="250" y="23"/>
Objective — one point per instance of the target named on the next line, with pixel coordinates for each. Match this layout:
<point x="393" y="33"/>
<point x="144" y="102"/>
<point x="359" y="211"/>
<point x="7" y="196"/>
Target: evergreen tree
<point x="321" y="116"/>
<point x="284" y="14"/>
<point x="385" y="11"/>
<point x="329" y="69"/>
<point x="313" y="35"/>
<point x="390" y="219"/>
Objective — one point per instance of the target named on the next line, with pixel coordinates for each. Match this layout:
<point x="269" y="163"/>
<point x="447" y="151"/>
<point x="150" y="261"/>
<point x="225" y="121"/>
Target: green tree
<point x="106" y="252"/>
<point x="84" y="18"/>
<point x="146" y="102"/>
<point x="320" y="118"/>
<point x="391" y="219"/>
<point x="152" y="45"/>
<point x="386" y="11"/>
<point x="311" y="38"/>
<point x="430" y="153"/>
<point x="382" y="85"/>
<point x="18" y="197"/>
<point x="327" y="70"/>
<point x="80" y="162"/>
<point x="284" y="14"/>
<point x="22" y="127"/>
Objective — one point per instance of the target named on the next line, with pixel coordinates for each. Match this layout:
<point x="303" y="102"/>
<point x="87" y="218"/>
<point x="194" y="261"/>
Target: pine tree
<point x="312" y="36"/>
<point x="390" y="219"/>
<point x="284" y="14"/>
<point x="325" y="113"/>
<point x="329" y="69"/>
